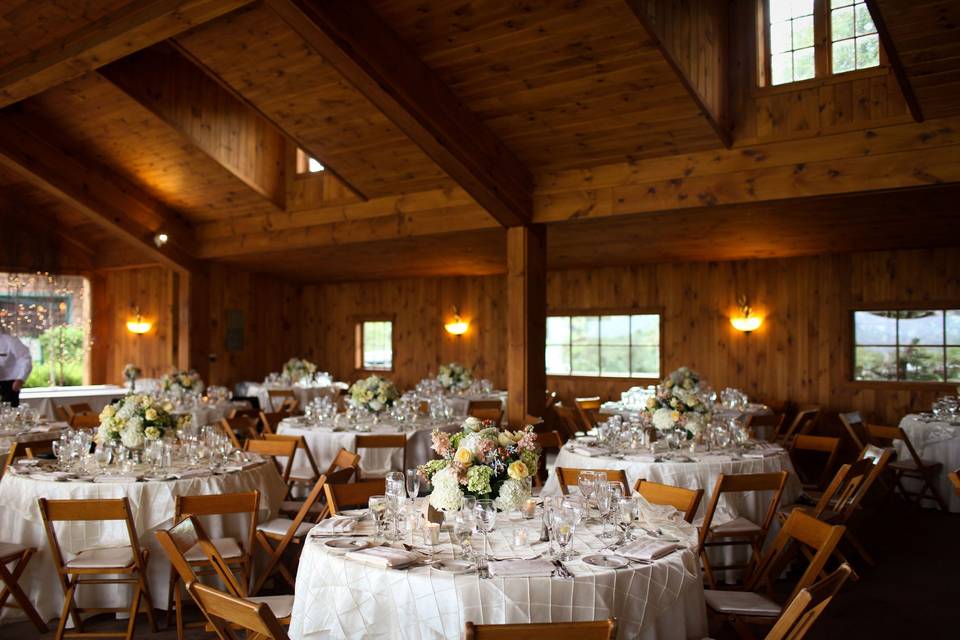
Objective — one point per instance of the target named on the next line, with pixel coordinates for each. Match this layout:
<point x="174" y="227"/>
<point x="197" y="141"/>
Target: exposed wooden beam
<point x="118" y="206"/>
<point x="361" y="46"/>
<point x="181" y="95"/>
<point x="526" y="322"/>
<point x="696" y="53"/>
<point x="134" y="26"/>
<point x="893" y="57"/>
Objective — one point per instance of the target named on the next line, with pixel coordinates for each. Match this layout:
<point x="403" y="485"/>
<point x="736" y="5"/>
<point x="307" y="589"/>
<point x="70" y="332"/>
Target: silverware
<point x="562" y="570"/>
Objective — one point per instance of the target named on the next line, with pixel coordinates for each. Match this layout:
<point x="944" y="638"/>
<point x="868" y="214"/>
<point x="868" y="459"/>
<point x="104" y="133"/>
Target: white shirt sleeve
<point x="22" y="362"/>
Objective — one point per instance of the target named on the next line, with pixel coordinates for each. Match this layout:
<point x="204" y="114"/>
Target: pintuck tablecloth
<point x="340" y="598"/>
<point x="305" y="395"/>
<point x="152" y="504"/>
<point x="204" y="414"/>
<point x="460" y="404"/>
<point x="324" y="444"/>
<point x="934" y="441"/>
<point x="97" y="396"/>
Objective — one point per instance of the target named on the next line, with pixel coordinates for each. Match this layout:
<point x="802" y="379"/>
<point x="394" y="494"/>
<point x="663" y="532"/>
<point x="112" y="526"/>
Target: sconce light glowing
<point x="160" y="239"/>
<point x="138" y="325"/>
<point x="458" y="326"/>
<point x="747" y="321"/>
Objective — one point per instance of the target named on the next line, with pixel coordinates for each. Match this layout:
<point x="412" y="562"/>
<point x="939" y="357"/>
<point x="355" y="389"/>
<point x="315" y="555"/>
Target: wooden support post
<point x="526" y="321"/>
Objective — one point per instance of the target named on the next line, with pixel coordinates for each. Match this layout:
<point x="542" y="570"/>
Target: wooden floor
<point x="910" y="594"/>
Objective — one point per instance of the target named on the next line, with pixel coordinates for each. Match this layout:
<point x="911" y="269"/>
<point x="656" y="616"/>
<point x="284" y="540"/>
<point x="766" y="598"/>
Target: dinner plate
<point x="359" y="514"/>
<point x="343" y="545"/>
<point x="453" y="566"/>
<point x="606" y="561"/>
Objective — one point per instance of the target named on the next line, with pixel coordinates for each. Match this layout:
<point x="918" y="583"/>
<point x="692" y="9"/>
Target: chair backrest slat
<point x="801" y="612"/>
<point x="686" y="501"/>
<point x="222" y="610"/>
<point x="382" y="441"/>
<point x="275" y="449"/>
<point x="598" y="630"/>
<point x="568" y="476"/>
<point x="356" y="494"/>
<point x="343" y="460"/>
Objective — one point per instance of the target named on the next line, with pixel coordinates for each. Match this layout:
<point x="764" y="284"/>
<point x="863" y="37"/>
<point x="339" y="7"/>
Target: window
<point x="375" y="345"/>
<point x="307" y="163"/>
<point x="622" y="346"/>
<point x="907" y="345"/>
<point x="797" y="33"/>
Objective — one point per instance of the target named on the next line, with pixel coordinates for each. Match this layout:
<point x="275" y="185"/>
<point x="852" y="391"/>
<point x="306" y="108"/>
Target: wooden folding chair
<point x="548" y="441"/>
<point x="740" y="530"/>
<point x="807" y="605"/>
<point x="589" y="409"/>
<point x="353" y="495"/>
<point x="60" y="413"/>
<point x="304" y="449"/>
<point x="284" y="532"/>
<point x="856" y="428"/>
<point x="270" y="422"/>
<point x="599" y="630"/>
<point x="955" y="480"/>
<point x="551" y="399"/>
<point x="79" y="407"/>
<point x="343" y="460"/>
<point x="224" y="610"/>
<point x="9" y="578"/>
<point x="318" y="510"/>
<point x="742" y="608"/>
<point x="114" y="565"/>
<point x="85" y="421"/>
<point x="275" y="449"/>
<point x="237" y="553"/>
<point x="188" y="535"/>
<point x="239" y="427"/>
<point x="288" y="400"/>
<point x="382" y="441"/>
<point x="914" y="468"/>
<point x="802" y="423"/>
<point x="800" y="449"/>
<point x="686" y="501"/>
<point x="770" y="424"/>
<point x="30" y="449"/>
<point x="486" y="410"/>
<point x="568" y="476"/>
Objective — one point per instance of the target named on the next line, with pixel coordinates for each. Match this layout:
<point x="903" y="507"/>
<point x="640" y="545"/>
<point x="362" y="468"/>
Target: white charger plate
<point x="453" y="566"/>
<point x="605" y="561"/>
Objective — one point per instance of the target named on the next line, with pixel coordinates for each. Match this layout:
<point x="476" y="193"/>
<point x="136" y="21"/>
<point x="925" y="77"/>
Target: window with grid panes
<point x="907" y="345"/>
<point x="621" y="345"/>
<point x="376" y="345"/>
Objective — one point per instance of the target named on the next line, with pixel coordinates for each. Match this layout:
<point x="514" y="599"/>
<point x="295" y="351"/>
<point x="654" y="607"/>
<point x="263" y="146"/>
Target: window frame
<point x="850" y="362"/>
<point x="358" y="342"/>
<point x="614" y="311"/>
<point x="822" y="51"/>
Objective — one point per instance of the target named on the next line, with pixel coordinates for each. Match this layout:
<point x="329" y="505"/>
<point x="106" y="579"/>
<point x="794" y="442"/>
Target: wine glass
<point x="486" y="518"/>
<point x="468" y="504"/>
<point x="604" y="502"/>
<point x="462" y="534"/>
<point x="378" y="507"/>
<point x="626" y="507"/>
<point x="563" y="527"/>
<point x="586" y="482"/>
<point x="413" y="483"/>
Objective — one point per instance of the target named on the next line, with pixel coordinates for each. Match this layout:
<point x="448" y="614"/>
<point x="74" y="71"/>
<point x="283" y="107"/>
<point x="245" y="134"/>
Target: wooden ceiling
<point x="607" y="119"/>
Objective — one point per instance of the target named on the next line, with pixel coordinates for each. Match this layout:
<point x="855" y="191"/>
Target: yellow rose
<point x="463" y="456"/>
<point x="168" y="406"/>
<point x="675" y="415"/>
<point x="150" y="414"/>
<point x="504" y="440"/>
<point x="518" y="470"/>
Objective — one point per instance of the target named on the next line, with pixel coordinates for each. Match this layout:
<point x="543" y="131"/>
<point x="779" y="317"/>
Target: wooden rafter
<point x="118" y="206"/>
<point x="893" y="57"/>
<point x="136" y="25"/>
<point x="362" y="47"/>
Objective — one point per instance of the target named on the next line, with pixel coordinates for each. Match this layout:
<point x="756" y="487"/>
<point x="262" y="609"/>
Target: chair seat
<point x="281" y="606"/>
<point x="280" y="526"/>
<point x="745" y="603"/>
<point x="113" y="558"/>
<point x="911" y="465"/>
<point x="303" y="479"/>
<point x="228" y="548"/>
<point x="736" y="527"/>
<point x="8" y="550"/>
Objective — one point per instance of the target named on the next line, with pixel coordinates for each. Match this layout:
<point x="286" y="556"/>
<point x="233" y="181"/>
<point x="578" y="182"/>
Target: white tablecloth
<point x="210" y="413"/>
<point x="340" y="598"/>
<point x="97" y="396"/>
<point x="152" y="504"/>
<point x="934" y="442"/>
<point x="324" y="444"/>
<point x="460" y="404"/>
<point x="304" y="395"/>
<point x="40" y="432"/>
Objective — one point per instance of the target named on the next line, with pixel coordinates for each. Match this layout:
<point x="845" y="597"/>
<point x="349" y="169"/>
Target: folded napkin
<point x="27" y="462"/>
<point x="521" y="568"/>
<point x="714" y="458"/>
<point x="240" y="466"/>
<point x="584" y="451"/>
<point x="116" y="479"/>
<point x="762" y="453"/>
<point x="51" y="475"/>
<point x="640" y="457"/>
<point x="190" y="473"/>
<point x="647" y="550"/>
<point x="50" y="426"/>
<point x="334" y="526"/>
<point x="385" y="557"/>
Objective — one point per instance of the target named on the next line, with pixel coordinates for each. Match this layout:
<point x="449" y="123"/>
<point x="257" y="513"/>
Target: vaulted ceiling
<point x="619" y="122"/>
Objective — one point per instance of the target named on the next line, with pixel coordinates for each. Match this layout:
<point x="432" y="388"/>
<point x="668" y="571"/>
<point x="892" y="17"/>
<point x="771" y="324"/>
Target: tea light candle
<point x="520" y="536"/>
<point x="529" y="508"/>
<point x="431" y="532"/>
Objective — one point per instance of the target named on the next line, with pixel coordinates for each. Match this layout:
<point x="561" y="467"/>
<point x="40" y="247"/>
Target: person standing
<point x="15" y="367"/>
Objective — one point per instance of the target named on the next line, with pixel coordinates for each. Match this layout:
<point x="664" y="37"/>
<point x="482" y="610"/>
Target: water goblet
<point x="413" y="483"/>
<point x="378" y="507"/>
<point x="468" y="504"/>
<point x="486" y="519"/>
<point x="563" y="527"/>
<point x="604" y="503"/>
<point x="627" y="508"/>
<point x="462" y="534"/>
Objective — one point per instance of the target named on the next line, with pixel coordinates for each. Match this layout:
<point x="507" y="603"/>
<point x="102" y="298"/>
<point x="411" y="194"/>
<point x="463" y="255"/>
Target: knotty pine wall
<point x="801" y="353"/>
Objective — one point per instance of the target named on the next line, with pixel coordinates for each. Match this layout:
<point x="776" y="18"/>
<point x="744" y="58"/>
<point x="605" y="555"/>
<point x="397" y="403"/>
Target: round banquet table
<point x="702" y="473"/>
<point x="304" y="395"/>
<point x="325" y="439"/>
<point x="45" y="431"/>
<point x="934" y="441"/>
<point x="460" y="404"/>
<point x="97" y="396"/>
<point x="203" y="414"/>
<point x="152" y="506"/>
<point x="337" y="597"/>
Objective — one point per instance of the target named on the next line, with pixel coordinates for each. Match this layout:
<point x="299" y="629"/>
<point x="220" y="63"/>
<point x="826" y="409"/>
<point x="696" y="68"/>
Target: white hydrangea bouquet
<point x="483" y="461"/>
<point x="177" y="382"/>
<point x="373" y="394"/>
<point x="680" y="403"/>
<point x="454" y="377"/>
<point x="296" y="369"/>
<point x="134" y="420"/>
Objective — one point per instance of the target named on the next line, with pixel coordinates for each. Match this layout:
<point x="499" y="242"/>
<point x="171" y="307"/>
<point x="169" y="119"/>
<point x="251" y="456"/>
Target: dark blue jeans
<point x="7" y="394"/>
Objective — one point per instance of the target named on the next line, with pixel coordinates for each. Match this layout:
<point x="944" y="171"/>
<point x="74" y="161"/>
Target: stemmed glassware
<point x="413" y="483"/>
<point x="486" y="519"/>
<point x="462" y="533"/>
<point x="627" y="508"/>
<point x="396" y="498"/>
<point x="563" y="526"/>
<point x="378" y="507"/>
<point x="605" y="501"/>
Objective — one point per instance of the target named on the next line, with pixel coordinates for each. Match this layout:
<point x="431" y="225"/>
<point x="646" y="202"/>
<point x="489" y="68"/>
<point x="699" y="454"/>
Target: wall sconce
<point x="747" y="321"/>
<point x="458" y="326"/>
<point x="160" y="239"/>
<point x="138" y="325"/>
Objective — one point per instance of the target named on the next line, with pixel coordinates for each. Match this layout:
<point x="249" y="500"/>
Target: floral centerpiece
<point x="130" y="373"/>
<point x="679" y="403"/>
<point x="483" y="461"/>
<point x="177" y="382"/>
<point x="373" y="394"/>
<point x="296" y="369"/>
<point x="454" y="377"/>
<point x="134" y="420"/>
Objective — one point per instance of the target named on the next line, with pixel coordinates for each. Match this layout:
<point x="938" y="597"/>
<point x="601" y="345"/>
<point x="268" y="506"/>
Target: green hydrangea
<point x="478" y="479"/>
<point x="530" y="458"/>
<point x="430" y="468"/>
